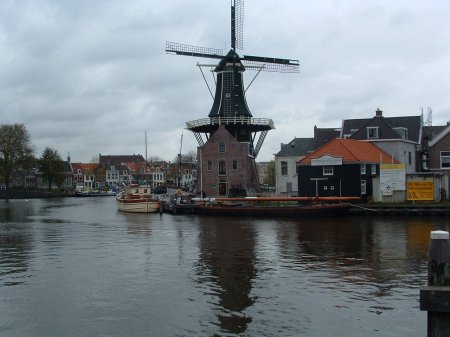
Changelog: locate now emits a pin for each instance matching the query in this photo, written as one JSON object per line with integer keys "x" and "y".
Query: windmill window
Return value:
{"x": 209, "y": 166}
{"x": 235, "y": 165}
{"x": 222, "y": 147}
{"x": 372, "y": 132}
{"x": 222, "y": 168}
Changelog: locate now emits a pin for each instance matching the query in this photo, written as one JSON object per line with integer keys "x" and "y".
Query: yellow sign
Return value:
{"x": 392, "y": 166}
{"x": 420, "y": 190}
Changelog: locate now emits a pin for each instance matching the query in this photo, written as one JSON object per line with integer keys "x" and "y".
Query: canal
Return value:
{"x": 77, "y": 267}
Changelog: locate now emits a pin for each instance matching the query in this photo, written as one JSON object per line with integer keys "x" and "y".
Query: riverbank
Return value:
{"x": 441, "y": 208}
{"x": 401, "y": 209}
{"x": 32, "y": 194}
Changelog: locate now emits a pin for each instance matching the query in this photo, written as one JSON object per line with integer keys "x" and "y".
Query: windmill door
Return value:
{"x": 223, "y": 188}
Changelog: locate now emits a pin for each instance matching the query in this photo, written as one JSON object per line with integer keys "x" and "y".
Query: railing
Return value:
{"x": 230, "y": 120}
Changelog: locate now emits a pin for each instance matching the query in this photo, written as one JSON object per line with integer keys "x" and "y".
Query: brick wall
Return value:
{"x": 215, "y": 184}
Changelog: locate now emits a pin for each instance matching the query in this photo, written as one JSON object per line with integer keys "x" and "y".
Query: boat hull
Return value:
{"x": 138, "y": 206}
{"x": 137, "y": 199}
{"x": 317, "y": 210}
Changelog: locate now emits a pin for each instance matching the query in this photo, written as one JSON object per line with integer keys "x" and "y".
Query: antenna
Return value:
{"x": 429, "y": 121}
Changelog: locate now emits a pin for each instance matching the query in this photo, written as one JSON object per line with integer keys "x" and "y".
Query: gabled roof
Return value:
{"x": 137, "y": 167}
{"x": 356, "y": 128}
{"x": 441, "y": 135}
{"x": 350, "y": 151}
{"x": 120, "y": 159}
{"x": 323, "y": 136}
{"x": 84, "y": 167}
{"x": 297, "y": 147}
{"x": 67, "y": 167}
{"x": 431, "y": 131}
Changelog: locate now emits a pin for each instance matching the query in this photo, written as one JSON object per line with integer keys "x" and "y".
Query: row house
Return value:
{"x": 158, "y": 171}
{"x": 423, "y": 150}
{"x": 117, "y": 175}
{"x": 88, "y": 176}
{"x": 188, "y": 176}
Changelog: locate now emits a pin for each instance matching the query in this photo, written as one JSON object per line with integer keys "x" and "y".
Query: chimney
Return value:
{"x": 378, "y": 113}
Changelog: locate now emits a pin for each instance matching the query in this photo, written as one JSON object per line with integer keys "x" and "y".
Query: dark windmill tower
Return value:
{"x": 227, "y": 154}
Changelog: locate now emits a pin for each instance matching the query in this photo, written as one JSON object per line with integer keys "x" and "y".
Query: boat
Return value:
{"x": 137, "y": 199}
{"x": 277, "y": 206}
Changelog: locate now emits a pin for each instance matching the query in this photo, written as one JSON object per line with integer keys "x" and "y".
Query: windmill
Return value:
{"x": 230, "y": 106}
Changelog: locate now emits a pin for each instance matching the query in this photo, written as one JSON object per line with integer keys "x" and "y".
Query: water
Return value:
{"x": 77, "y": 267}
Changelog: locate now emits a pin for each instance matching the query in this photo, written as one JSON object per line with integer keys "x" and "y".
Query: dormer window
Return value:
{"x": 372, "y": 132}
{"x": 403, "y": 132}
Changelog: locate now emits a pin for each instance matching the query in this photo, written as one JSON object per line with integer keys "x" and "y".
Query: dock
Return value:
{"x": 179, "y": 205}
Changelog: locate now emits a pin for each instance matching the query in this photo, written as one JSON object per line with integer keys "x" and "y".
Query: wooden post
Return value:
{"x": 435, "y": 299}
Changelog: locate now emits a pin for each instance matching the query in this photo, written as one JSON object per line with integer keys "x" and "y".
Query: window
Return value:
{"x": 372, "y": 132}
{"x": 209, "y": 166}
{"x": 328, "y": 170}
{"x": 445, "y": 159}
{"x": 222, "y": 147}
{"x": 363, "y": 169}
{"x": 284, "y": 168}
{"x": 373, "y": 168}
{"x": 403, "y": 132}
{"x": 363, "y": 187}
{"x": 222, "y": 168}
{"x": 235, "y": 165}
{"x": 409, "y": 158}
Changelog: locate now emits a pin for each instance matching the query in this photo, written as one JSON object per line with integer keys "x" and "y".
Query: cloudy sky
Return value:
{"x": 89, "y": 77}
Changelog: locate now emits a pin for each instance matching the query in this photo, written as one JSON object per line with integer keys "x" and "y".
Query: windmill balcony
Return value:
{"x": 255, "y": 124}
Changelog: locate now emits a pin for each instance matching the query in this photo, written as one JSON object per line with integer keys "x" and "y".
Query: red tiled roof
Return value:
{"x": 137, "y": 167}
{"x": 350, "y": 150}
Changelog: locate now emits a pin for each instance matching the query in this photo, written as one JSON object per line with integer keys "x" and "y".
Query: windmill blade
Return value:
{"x": 237, "y": 24}
{"x": 270, "y": 60}
{"x": 188, "y": 50}
{"x": 271, "y": 64}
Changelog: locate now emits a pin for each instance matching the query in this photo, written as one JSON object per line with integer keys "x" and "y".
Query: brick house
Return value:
{"x": 229, "y": 164}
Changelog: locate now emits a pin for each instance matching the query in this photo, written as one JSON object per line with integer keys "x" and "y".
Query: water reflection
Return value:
{"x": 368, "y": 257}
{"x": 15, "y": 243}
{"x": 227, "y": 258}
{"x": 203, "y": 276}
